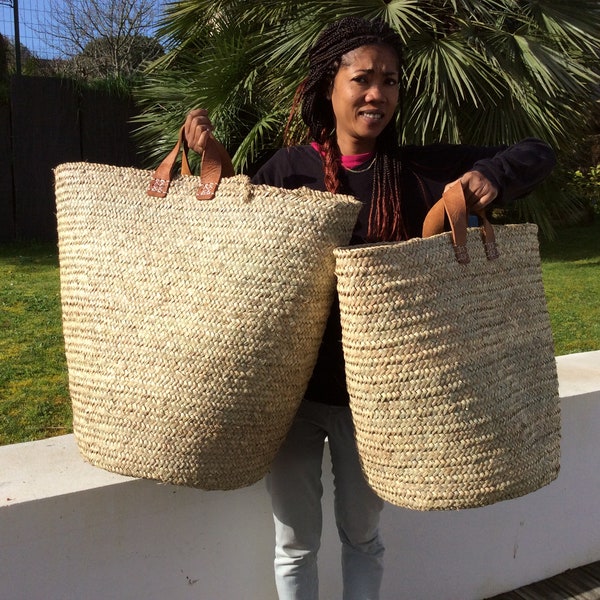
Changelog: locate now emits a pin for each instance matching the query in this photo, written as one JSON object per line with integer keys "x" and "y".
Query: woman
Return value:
{"x": 348, "y": 102}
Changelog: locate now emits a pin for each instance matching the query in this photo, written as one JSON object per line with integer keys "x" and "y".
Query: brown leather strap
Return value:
{"x": 210, "y": 171}
{"x": 215, "y": 164}
{"x": 159, "y": 184}
{"x": 454, "y": 205}
{"x": 185, "y": 164}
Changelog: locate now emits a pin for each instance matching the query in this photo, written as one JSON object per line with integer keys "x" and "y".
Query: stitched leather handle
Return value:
{"x": 215, "y": 164}
{"x": 454, "y": 205}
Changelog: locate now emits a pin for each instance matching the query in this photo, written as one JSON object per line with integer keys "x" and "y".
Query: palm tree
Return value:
{"x": 475, "y": 71}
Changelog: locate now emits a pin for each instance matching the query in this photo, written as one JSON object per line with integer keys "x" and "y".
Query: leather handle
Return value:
{"x": 215, "y": 164}
{"x": 454, "y": 205}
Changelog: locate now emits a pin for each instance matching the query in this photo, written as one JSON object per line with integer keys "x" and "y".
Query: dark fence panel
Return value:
{"x": 7, "y": 200}
{"x": 106, "y": 131}
{"x": 46, "y": 133}
{"x": 54, "y": 121}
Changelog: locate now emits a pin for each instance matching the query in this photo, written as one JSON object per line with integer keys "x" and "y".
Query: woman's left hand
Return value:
{"x": 479, "y": 191}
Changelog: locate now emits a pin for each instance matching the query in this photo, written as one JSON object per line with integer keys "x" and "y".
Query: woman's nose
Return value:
{"x": 375, "y": 94}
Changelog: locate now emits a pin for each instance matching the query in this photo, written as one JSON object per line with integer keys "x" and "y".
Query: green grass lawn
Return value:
{"x": 571, "y": 272}
{"x": 34, "y": 399}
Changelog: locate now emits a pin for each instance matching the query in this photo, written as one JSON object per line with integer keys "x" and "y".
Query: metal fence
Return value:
{"x": 76, "y": 123}
{"x": 50, "y": 121}
{"x": 31, "y": 21}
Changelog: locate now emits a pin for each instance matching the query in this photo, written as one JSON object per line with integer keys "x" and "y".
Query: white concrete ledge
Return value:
{"x": 69, "y": 531}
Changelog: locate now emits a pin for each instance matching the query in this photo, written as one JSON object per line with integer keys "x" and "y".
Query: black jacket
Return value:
{"x": 514, "y": 170}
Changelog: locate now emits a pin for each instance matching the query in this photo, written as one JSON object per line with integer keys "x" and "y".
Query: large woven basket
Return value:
{"x": 191, "y": 327}
{"x": 450, "y": 367}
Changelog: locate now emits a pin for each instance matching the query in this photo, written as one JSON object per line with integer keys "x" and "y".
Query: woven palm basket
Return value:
{"x": 191, "y": 328}
{"x": 450, "y": 369}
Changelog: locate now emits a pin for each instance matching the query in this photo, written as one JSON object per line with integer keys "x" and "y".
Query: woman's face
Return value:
{"x": 364, "y": 95}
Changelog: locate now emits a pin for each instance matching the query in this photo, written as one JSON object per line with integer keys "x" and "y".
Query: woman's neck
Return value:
{"x": 353, "y": 147}
{"x": 349, "y": 161}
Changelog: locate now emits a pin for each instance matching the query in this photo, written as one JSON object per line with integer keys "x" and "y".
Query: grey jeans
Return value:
{"x": 295, "y": 487}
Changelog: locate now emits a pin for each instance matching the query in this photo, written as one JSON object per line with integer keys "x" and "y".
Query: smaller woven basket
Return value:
{"x": 191, "y": 327}
{"x": 450, "y": 366}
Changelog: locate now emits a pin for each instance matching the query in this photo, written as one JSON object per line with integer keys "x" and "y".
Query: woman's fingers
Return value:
{"x": 478, "y": 189}
{"x": 197, "y": 129}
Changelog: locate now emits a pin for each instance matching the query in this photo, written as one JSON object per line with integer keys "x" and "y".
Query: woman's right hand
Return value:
{"x": 198, "y": 129}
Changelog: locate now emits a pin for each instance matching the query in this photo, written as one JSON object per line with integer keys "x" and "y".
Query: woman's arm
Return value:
{"x": 518, "y": 169}
{"x": 508, "y": 174}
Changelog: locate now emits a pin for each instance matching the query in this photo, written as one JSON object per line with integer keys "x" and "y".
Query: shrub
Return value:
{"x": 586, "y": 182}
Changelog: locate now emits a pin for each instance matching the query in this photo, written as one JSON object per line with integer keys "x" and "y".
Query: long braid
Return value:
{"x": 332, "y": 162}
{"x": 339, "y": 38}
{"x": 385, "y": 216}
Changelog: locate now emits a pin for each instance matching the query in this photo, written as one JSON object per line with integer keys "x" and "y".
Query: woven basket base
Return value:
{"x": 191, "y": 328}
{"x": 450, "y": 369}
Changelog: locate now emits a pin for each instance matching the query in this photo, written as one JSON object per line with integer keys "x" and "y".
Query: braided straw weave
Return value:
{"x": 191, "y": 328}
{"x": 450, "y": 369}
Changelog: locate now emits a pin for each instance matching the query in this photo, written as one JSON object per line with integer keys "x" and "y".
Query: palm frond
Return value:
{"x": 252, "y": 147}
{"x": 475, "y": 71}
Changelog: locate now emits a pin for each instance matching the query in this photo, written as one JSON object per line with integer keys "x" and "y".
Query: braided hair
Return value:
{"x": 337, "y": 39}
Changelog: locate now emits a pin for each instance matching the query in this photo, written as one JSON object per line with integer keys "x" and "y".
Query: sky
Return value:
{"x": 33, "y": 14}
{"x": 34, "y": 17}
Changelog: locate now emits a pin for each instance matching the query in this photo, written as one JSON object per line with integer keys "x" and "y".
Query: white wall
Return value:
{"x": 71, "y": 531}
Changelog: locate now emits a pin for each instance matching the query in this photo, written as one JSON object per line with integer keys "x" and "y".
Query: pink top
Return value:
{"x": 350, "y": 161}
